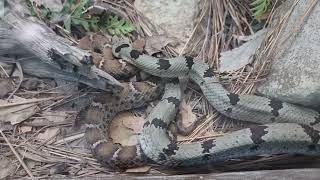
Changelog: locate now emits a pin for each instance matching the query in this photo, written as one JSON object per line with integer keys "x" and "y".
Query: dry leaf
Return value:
{"x": 107, "y": 53}
{"x": 142, "y": 169}
{"x": 238, "y": 57}
{"x": 18, "y": 113}
{"x": 93, "y": 41}
{"x": 133, "y": 122}
{"x": 139, "y": 44}
{"x": 188, "y": 117}
{"x": 125, "y": 127}
{"x": 154, "y": 44}
{"x": 24, "y": 129}
{"x": 48, "y": 134}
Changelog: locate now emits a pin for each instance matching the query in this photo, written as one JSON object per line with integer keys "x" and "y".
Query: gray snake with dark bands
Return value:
{"x": 296, "y": 130}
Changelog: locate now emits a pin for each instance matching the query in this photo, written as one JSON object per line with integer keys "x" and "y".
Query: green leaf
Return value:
{"x": 44, "y": 12}
{"x": 94, "y": 23}
{"x": 75, "y": 21}
{"x": 80, "y": 7}
{"x": 85, "y": 25}
{"x": 117, "y": 26}
{"x": 31, "y": 7}
{"x": 66, "y": 9}
{"x": 67, "y": 23}
{"x": 71, "y": 14}
{"x": 260, "y": 7}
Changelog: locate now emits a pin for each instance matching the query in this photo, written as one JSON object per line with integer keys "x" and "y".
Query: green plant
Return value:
{"x": 118, "y": 26}
{"x": 260, "y": 7}
{"x": 71, "y": 15}
{"x": 39, "y": 10}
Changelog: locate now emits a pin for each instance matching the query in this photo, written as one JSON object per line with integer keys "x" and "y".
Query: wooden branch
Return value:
{"x": 45, "y": 54}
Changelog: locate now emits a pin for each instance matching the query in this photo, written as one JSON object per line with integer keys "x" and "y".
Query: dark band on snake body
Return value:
{"x": 257, "y": 133}
{"x": 207, "y": 145}
{"x": 208, "y": 73}
{"x": 135, "y": 54}
{"x": 162, "y": 157}
{"x": 276, "y": 105}
{"x": 171, "y": 148}
{"x": 313, "y": 134}
{"x": 158, "y": 123}
{"x": 174, "y": 101}
{"x": 234, "y": 98}
{"x": 118, "y": 49}
{"x": 163, "y": 64}
{"x": 189, "y": 61}
{"x": 146, "y": 124}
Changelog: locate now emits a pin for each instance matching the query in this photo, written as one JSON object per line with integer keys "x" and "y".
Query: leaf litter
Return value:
{"x": 206, "y": 42}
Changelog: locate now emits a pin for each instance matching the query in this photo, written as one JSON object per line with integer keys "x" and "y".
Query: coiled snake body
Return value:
{"x": 286, "y": 128}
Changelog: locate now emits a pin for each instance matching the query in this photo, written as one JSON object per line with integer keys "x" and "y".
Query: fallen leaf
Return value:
{"x": 7, "y": 168}
{"x": 107, "y": 53}
{"x": 125, "y": 127}
{"x": 133, "y": 122}
{"x": 154, "y": 44}
{"x": 187, "y": 116}
{"x": 142, "y": 169}
{"x": 24, "y": 129}
{"x": 94, "y": 42}
{"x": 48, "y": 134}
{"x": 238, "y": 57}
{"x": 17, "y": 113}
{"x": 139, "y": 44}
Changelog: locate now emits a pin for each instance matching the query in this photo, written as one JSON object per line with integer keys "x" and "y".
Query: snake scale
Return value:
{"x": 285, "y": 128}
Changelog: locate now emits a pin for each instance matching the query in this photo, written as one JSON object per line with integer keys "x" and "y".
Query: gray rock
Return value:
{"x": 295, "y": 74}
{"x": 176, "y": 18}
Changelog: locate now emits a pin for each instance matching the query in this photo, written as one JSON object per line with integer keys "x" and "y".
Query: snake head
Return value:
{"x": 117, "y": 44}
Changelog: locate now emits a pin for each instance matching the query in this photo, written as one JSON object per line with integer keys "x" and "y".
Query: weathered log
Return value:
{"x": 42, "y": 53}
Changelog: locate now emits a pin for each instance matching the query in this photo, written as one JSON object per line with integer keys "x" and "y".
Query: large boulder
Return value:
{"x": 295, "y": 71}
{"x": 174, "y": 18}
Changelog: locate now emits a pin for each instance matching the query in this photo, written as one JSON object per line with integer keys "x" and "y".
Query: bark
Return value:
{"x": 42, "y": 53}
